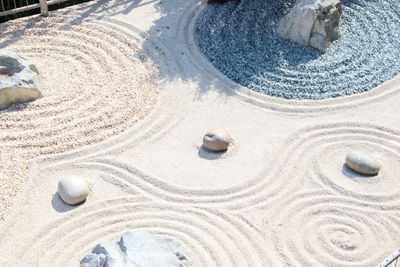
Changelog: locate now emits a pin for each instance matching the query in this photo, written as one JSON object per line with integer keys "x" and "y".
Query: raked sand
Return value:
{"x": 97, "y": 82}
{"x": 280, "y": 196}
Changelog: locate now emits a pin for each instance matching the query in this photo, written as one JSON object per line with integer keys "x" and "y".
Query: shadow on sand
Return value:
{"x": 60, "y": 206}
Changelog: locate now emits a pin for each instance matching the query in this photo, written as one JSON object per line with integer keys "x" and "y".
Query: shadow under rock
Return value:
{"x": 60, "y": 206}
{"x": 205, "y": 153}
{"x": 353, "y": 175}
{"x": 15, "y": 108}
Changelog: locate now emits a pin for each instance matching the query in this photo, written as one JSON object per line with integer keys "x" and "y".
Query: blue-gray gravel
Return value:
{"x": 240, "y": 39}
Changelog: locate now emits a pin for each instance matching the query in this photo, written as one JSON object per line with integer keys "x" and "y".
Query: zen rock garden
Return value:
{"x": 278, "y": 77}
{"x": 19, "y": 80}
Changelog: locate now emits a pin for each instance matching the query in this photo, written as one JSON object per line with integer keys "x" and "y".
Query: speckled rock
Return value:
{"x": 312, "y": 23}
{"x": 362, "y": 163}
{"x": 217, "y": 140}
{"x": 73, "y": 189}
{"x": 93, "y": 260}
{"x": 19, "y": 80}
{"x": 137, "y": 249}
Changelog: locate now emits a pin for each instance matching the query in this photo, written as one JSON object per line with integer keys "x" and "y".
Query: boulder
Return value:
{"x": 217, "y": 140}
{"x": 73, "y": 189}
{"x": 362, "y": 163}
{"x": 312, "y": 23}
{"x": 19, "y": 80}
{"x": 137, "y": 249}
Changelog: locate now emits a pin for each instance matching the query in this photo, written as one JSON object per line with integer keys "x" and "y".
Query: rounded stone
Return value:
{"x": 73, "y": 189}
{"x": 362, "y": 163}
{"x": 217, "y": 140}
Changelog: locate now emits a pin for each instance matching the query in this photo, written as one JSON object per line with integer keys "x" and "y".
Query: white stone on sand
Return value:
{"x": 362, "y": 163}
{"x": 217, "y": 140}
{"x": 73, "y": 189}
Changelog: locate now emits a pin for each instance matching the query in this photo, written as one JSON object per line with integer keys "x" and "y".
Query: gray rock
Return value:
{"x": 312, "y": 23}
{"x": 217, "y": 140}
{"x": 19, "y": 80}
{"x": 137, "y": 249}
{"x": 362, "y": 163}
{"x": 92, "y": 260}
{"x": 73, "y": 189}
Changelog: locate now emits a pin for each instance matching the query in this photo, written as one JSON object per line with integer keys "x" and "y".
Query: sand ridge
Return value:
{"x": 97, "y": 81}
{"x": 281, "y": 197}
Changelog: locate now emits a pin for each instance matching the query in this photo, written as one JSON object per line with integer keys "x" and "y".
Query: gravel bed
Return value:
{"x": 241, "y": 40}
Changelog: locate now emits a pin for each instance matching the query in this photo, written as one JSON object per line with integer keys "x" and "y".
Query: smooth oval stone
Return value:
{"x": 362, "y": 163}
{"x": 217, "y": 140}
{"x": 73, "y": 189}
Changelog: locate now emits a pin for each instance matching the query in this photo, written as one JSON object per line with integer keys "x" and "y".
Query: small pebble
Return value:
{"x": 362, "y": 163}
{"x": 73, "y": 189}
{"x": 217, "y": 140}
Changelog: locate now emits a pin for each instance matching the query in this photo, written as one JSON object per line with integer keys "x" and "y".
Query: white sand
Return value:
{"x": 279, "y": 197}
{"x": 94, "y": 86}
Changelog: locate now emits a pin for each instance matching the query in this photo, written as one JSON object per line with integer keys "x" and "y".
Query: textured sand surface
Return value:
{"x": 279, "y": 197}
{"x": 97, "y": 81}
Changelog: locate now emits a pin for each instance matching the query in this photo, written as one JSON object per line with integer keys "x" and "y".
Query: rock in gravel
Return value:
{"x": 73, "y": 189}
{"x": 362, "y": 163}
{"x": 137, "y": 248}
{"x": 19, "y": 80}
{"x": 217, "y": 140}
{"x": 312, "y": 23}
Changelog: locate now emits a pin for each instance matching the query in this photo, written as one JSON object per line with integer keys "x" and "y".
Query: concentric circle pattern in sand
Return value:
{"x": 241, "y": 41}
{"x": 317, "y": 229}
{"x": 328, "y": 146}
{"x": 97, "y": 81}
{"x": 210, "y": 238}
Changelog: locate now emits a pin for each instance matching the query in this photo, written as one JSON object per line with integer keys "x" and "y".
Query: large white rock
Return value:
{"x": 137, "y": 249}
{"x": 312, "y": 23}
{"x": 73, "y": 189}
{"x": 19, "y": 80}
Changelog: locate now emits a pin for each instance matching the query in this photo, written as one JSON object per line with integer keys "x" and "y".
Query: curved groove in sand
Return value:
{"x": 212, "y": 239}
{"x": 266, "y": 187}
{"x": 379, "y": 189}
{"x": 318, "y": 229}
{"x": 202, "y": 63}
{"x": 162, "y": 118}
{"x": 323, "y": 148}
{"x": 236, "y": 197}
{"x": 73, "y": 57}
{"x": 107, "y": 56}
